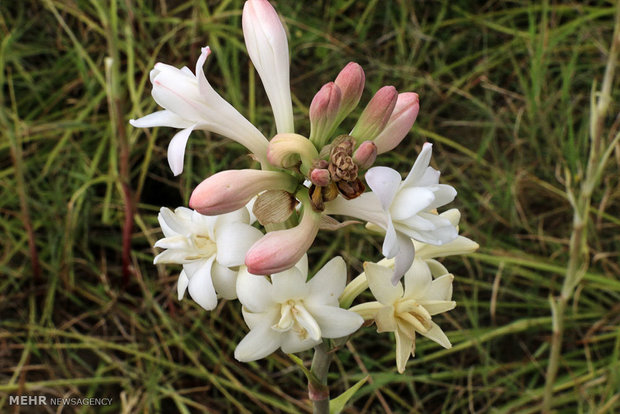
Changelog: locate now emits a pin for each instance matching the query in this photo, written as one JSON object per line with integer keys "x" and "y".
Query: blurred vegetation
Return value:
{"x": 505, "y": 93}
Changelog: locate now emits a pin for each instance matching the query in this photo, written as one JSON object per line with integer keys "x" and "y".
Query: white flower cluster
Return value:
{"x": 302, "y": 183}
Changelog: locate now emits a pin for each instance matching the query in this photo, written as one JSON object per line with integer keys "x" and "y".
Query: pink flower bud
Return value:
{"x": 375, "y": 115}
{"x": 320, "y": 177}
{"x": 365, "y": 155}
{"x": 281, "y": 249}
{"x": 351, "y": 81}
{"x": 323, "y": 113}
{"x": 230, "y": 190}
{"x": 400, "y": 122}
{"x": 286, "y": 150}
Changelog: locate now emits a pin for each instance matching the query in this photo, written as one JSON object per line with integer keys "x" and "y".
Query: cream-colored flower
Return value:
{"x": 409, "y": 310}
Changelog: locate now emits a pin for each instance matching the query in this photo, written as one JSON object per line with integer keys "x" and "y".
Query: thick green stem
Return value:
{"x": 318, "y": 390}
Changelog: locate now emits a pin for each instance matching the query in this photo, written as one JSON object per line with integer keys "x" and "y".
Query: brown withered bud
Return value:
{"x": 351, "y": 189}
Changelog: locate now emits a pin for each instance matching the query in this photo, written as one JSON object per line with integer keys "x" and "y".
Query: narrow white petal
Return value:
{"x": 453, "y": 216}
{"x": 176, "y": 150}
{"x": 335, "y": 322}
{"x": 328, "y": 283}
{"x": 182, "y": 285}
{"x": 174, "y": 242}
{"x": 234, "y": 241}
{"x": 258, "y": 343}
{"x": 254, "y": 292}
{"x": 437, "y": 335}
{"x": 171, "y": 256}
{"x": 384, "y": 182}
{"x": 418, "y": 280}
{"x": 224, "y": 281}
{"x": 390, "y": 243}
{"x": 201, "y": 286}
{"x": 379, "y": 282}
{"x": 404, "y": 258}
{"x": 419, "y": 166}
{"x": 430, "y": 177}
{"x": 161, "y": 118}
{"x": 437, "y": 269}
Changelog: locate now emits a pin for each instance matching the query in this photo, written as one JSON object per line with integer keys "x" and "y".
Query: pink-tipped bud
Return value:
{"x": 320, "y": 177}
{"x": 375, "y": 115}
{"x": 365, "y": 155}
{"x": 286, "y": 150}
{"x": 280, "y": 250}
{"x": 324, "y": 112}
{"x": 351, "y": 81}
{"x": 400, "y": 122}
{"x": 230, "y": 190}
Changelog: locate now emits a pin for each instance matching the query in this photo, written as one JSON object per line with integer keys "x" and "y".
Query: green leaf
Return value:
{"x": 337, "y": 404}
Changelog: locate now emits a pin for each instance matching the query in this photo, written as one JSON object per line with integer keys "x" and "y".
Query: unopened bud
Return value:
{"x": 400, "y": 122}
{"x": 320, "y": 177}
{"x": 281, "y": 249}
{"x": 230, "y": 190}
{"x": 365, "y": 155}
{"x": 351, "y": 81}
{"x": 323, "y": 113}
{"x": 375, "y": 115}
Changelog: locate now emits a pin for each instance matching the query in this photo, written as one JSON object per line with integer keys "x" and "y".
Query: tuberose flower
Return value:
{"x": 403, "y": 208}
{"x": 190, "y": 103}
{"x": 206, "y": 247}
{"x": 409, "y": 310}
{"x": 291, "y": 314}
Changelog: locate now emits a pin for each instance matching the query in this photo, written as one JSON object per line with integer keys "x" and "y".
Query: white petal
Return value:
{"x": 437, "y": 269}
{"x": 234, "y": 241}
{"x": 224, "y": 281}
{"x": 410, "y": 201}
{"x": 453, "y": 216}
{"x": 161, "y": 118}
{"x": 172, "y": 256}
{"x": 430, "y": 177}
{"x": 437, "y": 335}
{"x": 177, "y": 92}
{"x": 176, "y": 150}
{"x": 365, "y": 207}
{"x": 289, "y": 284}
{"x": 201, "y": 286}
{"x": 335, "y": 322}
{"x": 441, "y": 288}
{"x": 419, "y": 166}
{"x": 443, "y": 195}
{"x": 254, "y": 292}
{"x": 173, "y": 223}
{"x": 434, "y": 307}
{"x": 404, "y": 258}
{"x": 292, "y": 343}
{"x": 242, "y": 215}
{"x": 390, "y": 243}
{"x": 302, "y": 265}
{"x": 328, "y": 283}
{"x": 379, "y": 282}
{"x": 258, "y": 343}
{"x": 418, "y": 280}
{"x": 182, "y": 284}
{"x": 174, "y": 242}
{"x": 385, "y": 319}
{"x": 384, "y": 182}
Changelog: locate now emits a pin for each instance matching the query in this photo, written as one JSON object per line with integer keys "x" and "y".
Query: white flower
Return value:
{"x": 404, "y": 209}
{"x": 206, "y": 246}
{"x": 291, "y": 314}
{"x": 407, "y": 311}
{"x": 190, "y": 103}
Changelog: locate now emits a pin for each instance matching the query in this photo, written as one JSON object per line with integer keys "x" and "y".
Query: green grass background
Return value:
{"x": 505, "y": 99}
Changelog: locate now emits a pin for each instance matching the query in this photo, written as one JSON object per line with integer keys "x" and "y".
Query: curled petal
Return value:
{"x": 176, "y": 150}
{"x": 161, "y": 118}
